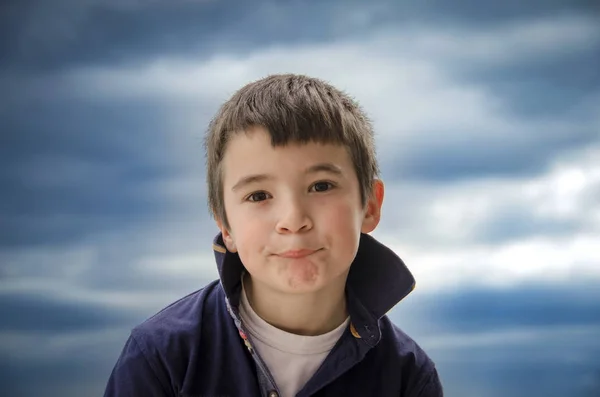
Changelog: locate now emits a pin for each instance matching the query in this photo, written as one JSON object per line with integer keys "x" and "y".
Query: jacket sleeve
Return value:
{"x": 134, "y": 375}
{"x": 432, "y": 387}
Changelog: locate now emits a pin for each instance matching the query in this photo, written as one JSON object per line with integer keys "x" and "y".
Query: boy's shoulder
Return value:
{"x": 180, "y": 339}
{"x": 396, "y": 339}
{"x": 398, "y": 349}
{"x": 180, "y": 322}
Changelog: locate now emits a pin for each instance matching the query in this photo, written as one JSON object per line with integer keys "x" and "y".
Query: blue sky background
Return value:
{"x": 488, "y": 128}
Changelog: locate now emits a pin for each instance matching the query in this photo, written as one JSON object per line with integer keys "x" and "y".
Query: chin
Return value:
{"x": 295, "y": 285}
{"x": 298, "y": 282}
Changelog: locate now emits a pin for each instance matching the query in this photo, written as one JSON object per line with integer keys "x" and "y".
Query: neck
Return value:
{"x": 315, "y": 313}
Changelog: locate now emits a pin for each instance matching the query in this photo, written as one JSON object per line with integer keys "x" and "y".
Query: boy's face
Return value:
{"x": 294, "y": 212}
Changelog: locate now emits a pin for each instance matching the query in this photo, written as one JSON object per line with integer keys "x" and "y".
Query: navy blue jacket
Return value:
{"x": 197, "y": 346}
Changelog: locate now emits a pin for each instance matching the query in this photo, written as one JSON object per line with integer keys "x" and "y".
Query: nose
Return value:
{"x": 294, "y": 218}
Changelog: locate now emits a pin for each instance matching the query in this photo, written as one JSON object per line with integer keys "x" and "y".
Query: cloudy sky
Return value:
{"x": 488, "y": 128}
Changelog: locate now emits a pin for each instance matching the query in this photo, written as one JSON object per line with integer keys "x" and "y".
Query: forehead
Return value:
{"x": 252, "y": 152}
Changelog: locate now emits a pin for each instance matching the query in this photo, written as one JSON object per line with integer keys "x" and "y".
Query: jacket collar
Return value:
{"x": 377, "y": 281}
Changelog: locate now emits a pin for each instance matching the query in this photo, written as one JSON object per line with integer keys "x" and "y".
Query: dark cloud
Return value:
{"x": 478, "y": 14}
{"x": 556, "y": 357}
{"x": 71, "y": 168}
{"x": 433, "y": 157}
{"x": 490, "y": 310}
{"x": 69, "y": 345}
{"x": 500, "y": 373}
{"x": 67, "y": 372}
{"x": 548, "y": 88}
{"x": 67, "y": 33}
{"x": 68, "y": 378}
{"x": 24, "y": 313}
{"x": 40, "y": 36}
{"x": 77, "y": 33}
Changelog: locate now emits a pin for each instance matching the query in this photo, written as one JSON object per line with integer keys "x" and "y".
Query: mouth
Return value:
{"x": 297, "y": 253}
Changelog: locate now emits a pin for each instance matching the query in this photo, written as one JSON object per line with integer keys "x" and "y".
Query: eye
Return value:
{"x": 258, "y": 196}
{"x": 322, "y": 186}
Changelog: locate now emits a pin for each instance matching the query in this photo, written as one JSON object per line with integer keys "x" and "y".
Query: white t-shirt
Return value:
{"x": 292, "y": 359}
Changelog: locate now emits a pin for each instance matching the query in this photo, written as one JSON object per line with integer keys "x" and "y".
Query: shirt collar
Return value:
{"x": 377, "y": 281}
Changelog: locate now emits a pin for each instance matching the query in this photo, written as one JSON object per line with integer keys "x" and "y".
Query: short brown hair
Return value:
{"x": 293, "y": 109}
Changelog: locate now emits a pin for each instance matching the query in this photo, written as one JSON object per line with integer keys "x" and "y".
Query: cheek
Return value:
{"x": 248, "y": 233}
{"x": 247, "y": 240}
{"x": 342, "y": 224}
{"x": 342, "y": 214}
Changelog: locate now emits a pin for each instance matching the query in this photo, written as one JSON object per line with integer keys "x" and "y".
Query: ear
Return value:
{"x": 373, "y": 207}
{"x": 227, "y": 237}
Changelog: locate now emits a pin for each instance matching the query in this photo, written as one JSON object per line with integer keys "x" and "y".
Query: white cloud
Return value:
{"x": 454, "y": 211}
{"x": 180, "y": 266}
{"x": 143, "y": 269}
{"x": 528, "y": 262}
{"x": 439, "y": 235}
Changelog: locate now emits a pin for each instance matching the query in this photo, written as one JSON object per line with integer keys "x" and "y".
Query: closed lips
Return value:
{"x": 298, "y": 253}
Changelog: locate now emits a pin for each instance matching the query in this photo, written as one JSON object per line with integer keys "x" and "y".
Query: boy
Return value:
{"x": 299, "y": 309}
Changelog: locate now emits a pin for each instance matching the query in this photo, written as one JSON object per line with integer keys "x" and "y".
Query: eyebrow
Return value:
{"x": 247, "y": 180}
{"x": 324, "y": 167}
{"x": 313, "y": 169}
